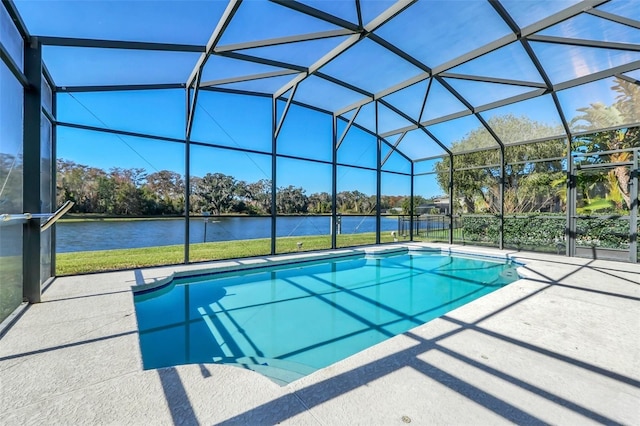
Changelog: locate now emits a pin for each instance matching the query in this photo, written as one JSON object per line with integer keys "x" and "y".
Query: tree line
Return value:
{"x": 133, "y": 192}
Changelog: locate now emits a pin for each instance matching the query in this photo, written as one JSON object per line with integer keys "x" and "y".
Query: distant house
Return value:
{"x": 435, "y": 206}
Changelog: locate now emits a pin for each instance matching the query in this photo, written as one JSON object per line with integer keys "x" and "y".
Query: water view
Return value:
{"x": 107, "y": 235}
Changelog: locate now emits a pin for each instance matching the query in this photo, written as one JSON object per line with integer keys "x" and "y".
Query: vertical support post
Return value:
{"x": 192, "y": 103}
{"x": 378, "y": 177}
{"x": 451, "y": 190}
{"x": 54, "y": 173}
{"x": 633, "y": 219}
{"x": 334, "y": 182}
{"x": 187, "y": 173}
{"x": 274, "y": 162}
{"x": 570, "y": 233}
{"x": 31, "y": 169}
{"x": 411, "y": 204}
{"x": 501, "y": 196}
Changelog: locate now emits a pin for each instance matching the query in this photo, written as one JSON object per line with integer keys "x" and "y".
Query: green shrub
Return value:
{"x": 545, "y": 232}
{"x": 535, "y": 231}
{"x": 481, "y": 229}
{"x": 605, "y": 233}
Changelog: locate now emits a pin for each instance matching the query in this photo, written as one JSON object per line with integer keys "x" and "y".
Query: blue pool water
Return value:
{"x": 288, "y": 321}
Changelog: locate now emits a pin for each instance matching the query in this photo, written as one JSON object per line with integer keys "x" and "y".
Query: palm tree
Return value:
{"x": 626, "y": 110}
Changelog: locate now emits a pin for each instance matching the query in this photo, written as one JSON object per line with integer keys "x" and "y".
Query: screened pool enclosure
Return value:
{"x": 187, "y": 131}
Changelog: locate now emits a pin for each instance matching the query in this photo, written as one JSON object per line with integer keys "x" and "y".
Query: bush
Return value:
{"x": 481, "y": 229}
{"x": 605, "y": 233}
{"x": 545, "y": 232}
{"x": 535, "y": 231}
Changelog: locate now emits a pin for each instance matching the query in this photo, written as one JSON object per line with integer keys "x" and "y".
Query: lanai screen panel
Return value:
{"x": 454, "y": 68}
{"x": 182, "y": 22}
{"x": 431, "y": 61}
{"x": 532, "y": 119}
{"x": 152, "y": 112}
{"x": 451, "y": 32}
{"x": 89, "y": 66}
{"x": 325, "y": 94}
{"x": 430, "y": 77}
{"x": 601, "y": 104}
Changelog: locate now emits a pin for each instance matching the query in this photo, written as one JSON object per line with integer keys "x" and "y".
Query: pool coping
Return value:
{"x": 153, "y": 281}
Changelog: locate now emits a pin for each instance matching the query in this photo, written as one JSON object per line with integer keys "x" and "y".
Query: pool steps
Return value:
{"x": 280, "y": 371}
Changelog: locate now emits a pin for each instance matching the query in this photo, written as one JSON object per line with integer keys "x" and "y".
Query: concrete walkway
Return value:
{"x": 561, "y": 346}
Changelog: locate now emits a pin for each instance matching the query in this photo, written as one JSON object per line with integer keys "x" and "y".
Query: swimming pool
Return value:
{"x": 290, "y": 320}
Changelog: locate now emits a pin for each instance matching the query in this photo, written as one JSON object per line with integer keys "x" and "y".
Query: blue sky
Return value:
{"x": 227, "y": 120}
{"x": 245, "y": 122}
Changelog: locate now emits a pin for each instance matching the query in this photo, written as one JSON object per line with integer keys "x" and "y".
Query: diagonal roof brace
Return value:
{"x": 415, "y": 123}
{"x": 448, "y": 117}
{"x": 357, "y": 104}
{"x": 223, "y": 23}
{"x": 583, "y": 6}
{"x": 471, "y": 108}
{"x": 320, "y": 63}
{"x": 424, "y": 100}
{"x": 380, "y": 20}
{"x": 393, "y": 148}
{"x": 398, "y": 52}
{"x": 283, "y": 40}
{"x": 346, "y": 129}
{"x": 192, "y": 103}
{"x": 286, "y": 110}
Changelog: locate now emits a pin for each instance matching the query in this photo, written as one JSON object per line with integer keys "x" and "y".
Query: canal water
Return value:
{"x": 107, "y": 235}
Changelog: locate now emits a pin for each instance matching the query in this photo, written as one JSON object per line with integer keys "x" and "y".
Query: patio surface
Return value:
{"x": 560, "y": 346}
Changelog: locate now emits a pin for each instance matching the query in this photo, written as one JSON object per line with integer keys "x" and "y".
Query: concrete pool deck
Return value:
{"x": 561, "y": 346}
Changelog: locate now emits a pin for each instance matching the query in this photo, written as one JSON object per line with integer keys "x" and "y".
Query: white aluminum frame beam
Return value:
{"x": 380, "y": 20}
{"x": 551, "y": 20}
{"x": 118, "y": 44}
{"x": 251, "y": 77}
{"x": 615, "y": 18}
{"x": 483, "y": 79}
{"x": 283, "y": 40}
{"x": 585, "y": 43}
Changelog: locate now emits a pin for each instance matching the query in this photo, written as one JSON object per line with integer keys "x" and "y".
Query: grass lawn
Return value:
{"x": 108, "y": 260}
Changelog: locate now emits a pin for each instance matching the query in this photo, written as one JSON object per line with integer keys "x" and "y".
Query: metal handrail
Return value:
{"x": 50, "y": 218}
